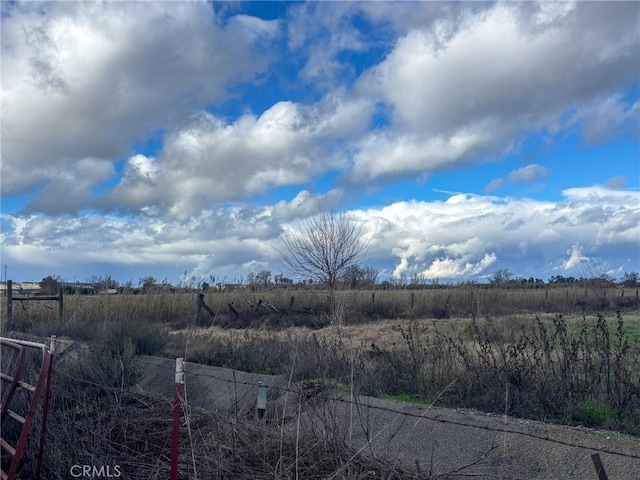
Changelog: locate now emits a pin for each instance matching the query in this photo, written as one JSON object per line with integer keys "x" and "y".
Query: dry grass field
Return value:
{"x": 565, "y": 355}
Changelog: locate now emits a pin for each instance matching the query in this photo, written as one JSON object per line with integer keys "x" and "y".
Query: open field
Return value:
{"x": 568, "y": 355}
{"x": 308, "y": 308}
{"x": 563, "y": 355}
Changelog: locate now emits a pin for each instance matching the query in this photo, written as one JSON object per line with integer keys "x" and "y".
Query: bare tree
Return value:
{"x": 325, "y": 246}
{"x": 501, "y": 277}
{"x": 356, "y": 276}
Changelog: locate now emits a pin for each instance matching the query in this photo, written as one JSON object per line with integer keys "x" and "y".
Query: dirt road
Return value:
{"x": 436, "y": 440}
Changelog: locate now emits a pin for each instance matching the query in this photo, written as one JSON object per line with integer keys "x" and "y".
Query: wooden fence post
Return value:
{"x": 61, "y": 304}
{"x": 597, "y": 463}
{"x": 9, "y": 302}
{"x": 200, "y": 301}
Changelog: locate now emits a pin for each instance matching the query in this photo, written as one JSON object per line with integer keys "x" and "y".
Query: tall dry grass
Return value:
{"x": 575, "y": 372}
{"x": 95, "y": 419}
{"x": 84, "y": 315}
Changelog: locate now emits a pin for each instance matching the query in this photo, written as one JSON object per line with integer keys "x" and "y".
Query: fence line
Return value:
{"x": 413, "y": 415}
{"x": 11, "y": 298}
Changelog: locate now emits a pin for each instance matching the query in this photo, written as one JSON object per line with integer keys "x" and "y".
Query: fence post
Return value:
{"x": 597, "y": 463}
{"x": 261, "y": 403}
{"x": 52, "y": 344}
{"x": 61, "y": 304}
{"x": 9, "y": 302}
{"x": 45, "y": 409}
{"x": 179, "y": 383}
{"x": 200, "y": 301}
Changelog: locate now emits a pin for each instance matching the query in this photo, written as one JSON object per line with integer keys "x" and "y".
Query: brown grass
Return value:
{"x": 398, "y": 342}
{"x": 96, "y": 420}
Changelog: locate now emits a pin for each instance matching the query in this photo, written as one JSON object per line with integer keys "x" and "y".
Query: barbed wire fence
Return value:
{"x": 329, "y": 396}
{"x": 410, "y": 414}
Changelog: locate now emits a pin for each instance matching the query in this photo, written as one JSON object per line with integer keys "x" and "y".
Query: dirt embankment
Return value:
{"x": 435, "y": 440}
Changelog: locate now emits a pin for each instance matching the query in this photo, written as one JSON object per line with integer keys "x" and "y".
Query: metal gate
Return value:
{"x": 14, "y": 377}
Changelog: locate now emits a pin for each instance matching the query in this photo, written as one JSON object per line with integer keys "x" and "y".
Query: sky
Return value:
{"x": 184, "y": 140}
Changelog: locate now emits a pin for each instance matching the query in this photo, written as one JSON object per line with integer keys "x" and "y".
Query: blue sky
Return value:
{"x": 181, "y": 139}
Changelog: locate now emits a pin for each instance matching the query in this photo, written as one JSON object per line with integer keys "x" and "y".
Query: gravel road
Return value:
{"x": 436, "y": 440}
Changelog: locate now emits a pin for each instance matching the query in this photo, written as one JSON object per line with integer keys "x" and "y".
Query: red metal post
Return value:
{"x": 45, "y": 412}
{"x": 179, "y": 383}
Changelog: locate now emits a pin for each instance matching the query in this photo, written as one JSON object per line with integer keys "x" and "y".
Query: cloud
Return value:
{"x": 210, "y": 161}
{"x": 460, "y": 267}
{"x": 529, "y": 174}
{"x": 444, "y": 86}
{"x": 441, "y": 18}
{"x": 463, "y": 236}
{"x": 494, "y": 184}
{"x": 319, "y": 33}
{"x": 72, "y": 187}
{"x": 304, "y": 205}
{"x": 466, "y": 235}
{"x": 85, "y": 80}
{"x": 456, "y": 260}
{"x": 88, "y": 80}
{"x": 608, "y": 118}
{"x": 575, "y": 258}
{"x": 521, "y": 75}
{"x": 616, "y": 182}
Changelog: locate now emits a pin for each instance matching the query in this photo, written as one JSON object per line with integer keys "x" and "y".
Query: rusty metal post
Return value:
{"x": 45, "y": 412}
{"x": 179, "y": 383}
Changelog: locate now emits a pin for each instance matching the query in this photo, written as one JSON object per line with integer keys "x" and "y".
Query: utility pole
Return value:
{"x": 5, "y": 273}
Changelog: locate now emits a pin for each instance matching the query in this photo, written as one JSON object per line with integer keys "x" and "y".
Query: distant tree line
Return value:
{"x": 354, "y": 277}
